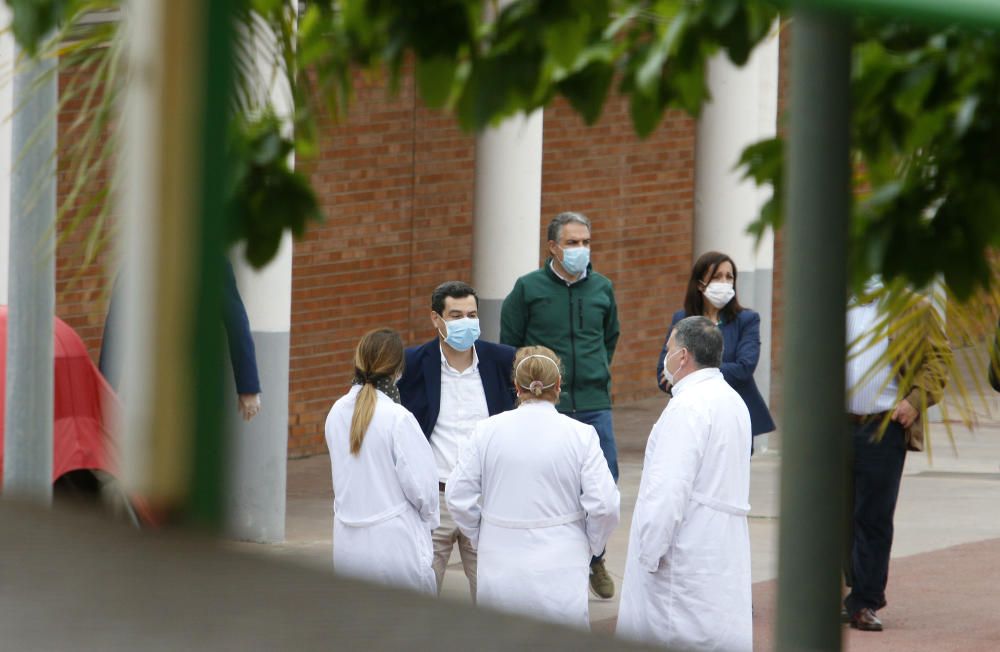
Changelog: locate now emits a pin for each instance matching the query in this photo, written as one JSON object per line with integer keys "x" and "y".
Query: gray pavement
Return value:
{"x": 946, "y": 503}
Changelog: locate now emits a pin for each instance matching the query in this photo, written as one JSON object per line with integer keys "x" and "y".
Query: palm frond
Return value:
{"x": 936, "y": 342}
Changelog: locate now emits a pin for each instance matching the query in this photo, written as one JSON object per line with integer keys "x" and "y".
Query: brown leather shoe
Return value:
{"x": 866, "y": 620}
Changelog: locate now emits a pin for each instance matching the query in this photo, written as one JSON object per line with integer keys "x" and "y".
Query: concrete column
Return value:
{"x": 743, "y": 111}
{"x": 6, "y": 106}
{"x": 508, "y": 204}
{"x": 259, "y": 449}
{"x": 32, "y": 284}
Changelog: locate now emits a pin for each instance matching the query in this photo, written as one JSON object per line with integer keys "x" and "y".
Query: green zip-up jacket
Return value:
{"x": 578, "y": 321}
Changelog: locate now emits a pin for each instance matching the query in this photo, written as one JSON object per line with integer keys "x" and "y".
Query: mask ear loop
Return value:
{"x": 537, "y": 355}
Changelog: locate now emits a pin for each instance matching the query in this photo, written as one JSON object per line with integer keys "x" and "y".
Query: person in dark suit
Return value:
{"x": 242, "y": 353}
{"x": 450, "y": 384}
{"x": 898, "y": 361}
{"x": 711, "y": 293}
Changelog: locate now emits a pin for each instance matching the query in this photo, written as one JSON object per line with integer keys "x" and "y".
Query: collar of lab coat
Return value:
{"x": 694, "y": 378}
{"x": 538, "y": 405}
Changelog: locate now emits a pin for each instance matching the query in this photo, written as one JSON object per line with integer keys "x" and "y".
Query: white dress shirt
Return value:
{"x": 579, "y": 278}
{"x": 463, "y": 405}
{"x": 870, "y": 390}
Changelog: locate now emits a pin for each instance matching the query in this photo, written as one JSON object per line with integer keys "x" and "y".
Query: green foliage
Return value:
{"x": 486, "y": 65}
{"x": 33, "y": 20}
{"x": 483, "y": 65}
{"x": 470, "y": 57}
{"x": 267, "y": 195}
{"x": 924, "y": 135}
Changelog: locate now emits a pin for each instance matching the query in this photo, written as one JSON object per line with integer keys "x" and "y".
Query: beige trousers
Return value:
{"x": 445, "y": 537}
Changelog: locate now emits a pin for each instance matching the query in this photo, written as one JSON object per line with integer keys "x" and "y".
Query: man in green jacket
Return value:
{"x": 571, "y": 309}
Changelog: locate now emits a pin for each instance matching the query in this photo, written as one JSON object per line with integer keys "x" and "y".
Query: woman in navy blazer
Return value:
{"x": 740, "y": 327}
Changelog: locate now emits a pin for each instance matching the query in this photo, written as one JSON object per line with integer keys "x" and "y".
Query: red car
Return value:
{"x": 84, "y": 456}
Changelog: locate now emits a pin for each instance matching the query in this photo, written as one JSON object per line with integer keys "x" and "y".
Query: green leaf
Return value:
{"x": 587, "y": 89}
{"x": 689, "y": 87}
{"x": 620, "y": 22}
{"x": 646, "y": 113}
{"x": 565, "y": 39}
{"x": 434, "y": 79}
{"x": 33, "y": 20}
{"x": 965, "y": 115}
{"x": 721, "y": 12}
{"x": 650, "y": 72}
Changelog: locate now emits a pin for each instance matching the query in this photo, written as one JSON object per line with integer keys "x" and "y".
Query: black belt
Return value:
{"x": 440, "y": 486}
{"x": 863, "y": 419}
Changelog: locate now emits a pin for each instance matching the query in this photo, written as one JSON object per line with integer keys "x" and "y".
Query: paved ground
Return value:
{"x": 944, "y": 591}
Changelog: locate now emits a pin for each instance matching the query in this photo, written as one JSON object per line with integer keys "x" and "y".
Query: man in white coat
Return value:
{"x": 687, "y": 574}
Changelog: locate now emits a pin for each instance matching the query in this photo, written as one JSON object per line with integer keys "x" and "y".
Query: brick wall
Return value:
{"x": 397, "y": 184}
{"x": 640, "y": 197}
{"x": 82, "y": 288}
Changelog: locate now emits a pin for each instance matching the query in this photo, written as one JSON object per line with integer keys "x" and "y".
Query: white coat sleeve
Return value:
{"x": 667, "y": 483}
{"x": 599, "y": 495}
{"x": 416, "y": 470}
{"x": 464, "y": 489}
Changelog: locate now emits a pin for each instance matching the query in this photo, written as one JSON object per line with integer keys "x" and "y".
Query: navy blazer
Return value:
{"x": 740, "y": 353}
{"x": 420, "y": 386}
{"x": 242, "y": 354}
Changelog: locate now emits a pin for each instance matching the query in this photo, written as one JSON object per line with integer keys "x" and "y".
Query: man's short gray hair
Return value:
{"x": 702, "y": 338}
{"x": 562, "y": 219}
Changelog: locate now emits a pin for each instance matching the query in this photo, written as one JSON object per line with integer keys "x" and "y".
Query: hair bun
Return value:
{"x": 536, "y": 387}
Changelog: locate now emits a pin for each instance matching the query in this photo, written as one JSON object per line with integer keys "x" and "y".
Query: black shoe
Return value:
{"x": 866, "y": 620}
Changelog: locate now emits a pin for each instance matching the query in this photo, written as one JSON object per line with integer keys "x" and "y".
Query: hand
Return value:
{"x": 249, "y": 406}
{"x": 904, "y": 414}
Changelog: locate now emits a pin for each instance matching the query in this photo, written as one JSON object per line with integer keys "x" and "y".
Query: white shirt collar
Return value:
{"x": 555, "y": 271}
{"x": 695, "y": 377}
{"x": 446, "y": 366}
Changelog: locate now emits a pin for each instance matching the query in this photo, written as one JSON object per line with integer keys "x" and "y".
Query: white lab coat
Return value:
{"x": 533, "y": 492}
{"x": 687, "y": 573}
{"x": 385, "y": 498}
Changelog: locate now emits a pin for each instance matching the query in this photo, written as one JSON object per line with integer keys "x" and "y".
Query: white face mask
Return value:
{"x": 719, "y": 294}
{"x": 666, "y": 372}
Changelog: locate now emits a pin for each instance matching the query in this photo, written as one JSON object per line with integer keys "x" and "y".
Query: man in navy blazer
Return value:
{"x": 450, "y": 384}
{"x": 242, "y": 353}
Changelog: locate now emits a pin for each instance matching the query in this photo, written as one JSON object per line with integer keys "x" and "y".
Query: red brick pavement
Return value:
{"x": 946, "y": 601}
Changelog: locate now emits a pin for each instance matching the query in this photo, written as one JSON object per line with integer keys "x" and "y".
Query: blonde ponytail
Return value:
{"x": 379, "y": 355}
{"x": 364, "y": 410}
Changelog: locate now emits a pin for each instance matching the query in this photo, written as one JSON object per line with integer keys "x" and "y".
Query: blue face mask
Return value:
{"x": 576, "y": 259}
{"x": 462, "y": 333}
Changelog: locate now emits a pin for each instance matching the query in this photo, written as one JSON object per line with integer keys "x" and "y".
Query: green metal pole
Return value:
{"x": 208, "y": 480}
{"x": 814, "y": 437}
{"x": 974, "y": 13}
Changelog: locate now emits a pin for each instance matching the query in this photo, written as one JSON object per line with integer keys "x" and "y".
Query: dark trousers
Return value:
{"x": 601, "y": 420}
{"x": 877, "y": 468}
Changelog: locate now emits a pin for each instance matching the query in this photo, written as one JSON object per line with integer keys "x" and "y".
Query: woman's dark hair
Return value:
{"x": 453, "y": 289}
{"x": 694, "y": 300}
